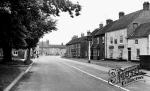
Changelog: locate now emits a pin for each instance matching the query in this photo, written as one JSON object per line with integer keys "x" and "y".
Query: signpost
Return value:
{"x": 89, "y": 38}
{"x": 125, "y": 76}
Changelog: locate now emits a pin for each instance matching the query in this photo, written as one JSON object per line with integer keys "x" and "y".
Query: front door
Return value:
{"x": 129, "y": 54}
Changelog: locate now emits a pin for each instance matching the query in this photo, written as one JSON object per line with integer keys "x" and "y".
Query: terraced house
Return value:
{"x": 77, "y": 47}
{"x": 117, "y": 35}
{"x": 95, "y": 52}
{"x": 45, "y": 48}
{"x": 100, "y": 36}
{"x": 139, "y": 41}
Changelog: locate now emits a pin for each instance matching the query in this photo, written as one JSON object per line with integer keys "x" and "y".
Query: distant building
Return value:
{"x": 48, "y": 49}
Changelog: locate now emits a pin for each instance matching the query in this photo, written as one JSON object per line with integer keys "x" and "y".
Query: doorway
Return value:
{"x": 129, "y": 54}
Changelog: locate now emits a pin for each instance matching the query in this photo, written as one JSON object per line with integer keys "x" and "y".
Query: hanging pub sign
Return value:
{"x": 125, "y": 76}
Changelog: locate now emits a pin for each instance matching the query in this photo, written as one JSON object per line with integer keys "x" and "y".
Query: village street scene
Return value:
{"x": 55, "y": 45}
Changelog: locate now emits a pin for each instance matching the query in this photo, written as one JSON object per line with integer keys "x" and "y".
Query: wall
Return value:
{"x": 116, "y": 51}
{"x": 142, "y": 46}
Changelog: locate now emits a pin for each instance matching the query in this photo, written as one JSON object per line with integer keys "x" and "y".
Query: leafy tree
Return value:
{"x": 24, "y": 22}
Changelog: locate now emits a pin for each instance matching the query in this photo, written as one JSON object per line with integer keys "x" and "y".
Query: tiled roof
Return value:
{"x": 45, "y": 45}
{"x": 57, "y": 46}
{"x": 104, "y": 29}
{"x": 124, "y": 21}
{"x": 77, "y": 40}
{"x": 142, "y": 31}
{"x": 95, "y": 31}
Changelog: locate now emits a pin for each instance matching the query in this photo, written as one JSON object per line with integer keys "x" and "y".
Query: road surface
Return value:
{"x": 53, "y": 73}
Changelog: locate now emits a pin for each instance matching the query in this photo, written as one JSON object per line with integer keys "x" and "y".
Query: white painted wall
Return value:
{"x": 116, "y": 35}
{"x": 142, "y": 45}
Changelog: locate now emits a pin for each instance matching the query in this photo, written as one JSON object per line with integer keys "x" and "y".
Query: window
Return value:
{"x": 121, "y": 39}
{"x": 95, "y": 52}
{"x": 138, "y": 53}
{"x": 121, "y": 53}
{"x": 111, "y": 40}
{"x": 97, "y": 40}
{"x": 115, "y": 41}
{"x": 136, "y": 41}
{"x": 103, "y": 40}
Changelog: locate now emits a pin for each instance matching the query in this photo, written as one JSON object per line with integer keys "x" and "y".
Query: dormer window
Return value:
{"x": 135, "y": 25}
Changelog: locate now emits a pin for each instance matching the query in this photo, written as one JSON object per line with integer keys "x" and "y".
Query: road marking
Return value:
{"x": 96, "y": 77}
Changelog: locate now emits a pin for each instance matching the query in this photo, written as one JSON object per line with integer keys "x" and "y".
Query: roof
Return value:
{"x": 142, "y": 31}
{"x": 104, "y": 29}
{"x": 124, "y": 21}
{"x": 95, "y": 31}
{"x": 45, "y": 45}
{"x": 77, "y": 40}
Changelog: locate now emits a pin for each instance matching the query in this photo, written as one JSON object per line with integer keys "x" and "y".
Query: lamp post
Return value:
{"x": 89, "y": 38}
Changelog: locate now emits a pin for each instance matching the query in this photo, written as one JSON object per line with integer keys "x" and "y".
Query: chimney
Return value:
{"x": 108, "y": 21}
{"x": 146, "y": 6}
{"x": 121, "y": 14}
{"x": 100, "y": 25}
{"x": 82, "y": 34}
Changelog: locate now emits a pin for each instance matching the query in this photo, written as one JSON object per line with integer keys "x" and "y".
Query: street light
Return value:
{"x": 89, "y": 38}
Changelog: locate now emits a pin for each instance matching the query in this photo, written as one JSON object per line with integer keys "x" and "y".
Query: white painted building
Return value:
{"x": 139, "y": 41}
{"x": 117, "y": 45}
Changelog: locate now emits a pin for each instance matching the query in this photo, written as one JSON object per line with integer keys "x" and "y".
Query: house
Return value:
{"x": 48, "y": 49}
{"x": 100, "y": 36}
{"x": 116, "y": 46}
{"x": 95, "y": 51}
{"x": 77, "y": 47}
{"x": 139, "y": 42}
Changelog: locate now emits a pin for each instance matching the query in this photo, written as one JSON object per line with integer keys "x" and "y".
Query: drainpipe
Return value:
{"x": 105, "y": 45}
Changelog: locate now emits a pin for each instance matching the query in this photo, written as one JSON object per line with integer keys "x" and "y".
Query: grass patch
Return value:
{"x": 9, "y": 71}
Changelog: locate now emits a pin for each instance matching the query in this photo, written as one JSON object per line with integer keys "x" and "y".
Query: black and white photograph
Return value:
{"x": 74, "y": 45}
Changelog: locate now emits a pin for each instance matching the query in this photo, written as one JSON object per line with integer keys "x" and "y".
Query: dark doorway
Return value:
{"x": 129, "y": 54}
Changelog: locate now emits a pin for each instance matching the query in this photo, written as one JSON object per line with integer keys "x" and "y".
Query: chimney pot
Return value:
{"x": 82, "y": 34}
{"x": 108, "y": 21}
{"x": 121, "y": 14}
{"x": 146, "y": 6}
{"x": 100, "y": 25}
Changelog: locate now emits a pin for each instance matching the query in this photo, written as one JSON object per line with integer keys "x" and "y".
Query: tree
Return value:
{"x": 25, "y": 21}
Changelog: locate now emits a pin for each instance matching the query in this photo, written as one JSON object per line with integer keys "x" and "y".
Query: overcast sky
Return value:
{"x": 93, "y": 13}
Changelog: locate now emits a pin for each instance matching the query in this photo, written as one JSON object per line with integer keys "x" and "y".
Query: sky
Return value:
{"x": 94, "y": 12}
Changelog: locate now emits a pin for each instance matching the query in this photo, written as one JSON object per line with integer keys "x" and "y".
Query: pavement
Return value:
{"x": 57, "y": 74}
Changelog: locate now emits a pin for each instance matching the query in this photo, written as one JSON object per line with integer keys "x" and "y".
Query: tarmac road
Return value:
{"x": 52, "y": 73}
